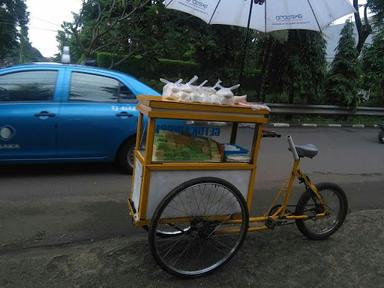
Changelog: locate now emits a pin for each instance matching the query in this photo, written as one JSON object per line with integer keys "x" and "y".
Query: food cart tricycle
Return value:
{"x": 194, "y": 197}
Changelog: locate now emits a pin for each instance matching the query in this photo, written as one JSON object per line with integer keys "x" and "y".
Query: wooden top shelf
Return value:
{"x": 154, "y": 106}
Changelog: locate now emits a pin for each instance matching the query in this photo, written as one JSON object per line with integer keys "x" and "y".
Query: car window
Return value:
{"x": 126, "y": 94}
{"x": 96, "y": 88}
{"x": 28, "y": 86}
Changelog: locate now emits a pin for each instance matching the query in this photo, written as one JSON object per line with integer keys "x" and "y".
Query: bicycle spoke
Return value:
{"x": 216, "y": 246}
{"x": 173, "y": 246}
{"x": 183, "y": 252}
{"x": 219, "y": 225}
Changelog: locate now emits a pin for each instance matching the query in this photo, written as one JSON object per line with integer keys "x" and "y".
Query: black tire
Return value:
{"x": 125, "y": 156}
{"x": 200, "y": 248}
{"x": 308, "y": 204}
{"x": 381, "y": 137}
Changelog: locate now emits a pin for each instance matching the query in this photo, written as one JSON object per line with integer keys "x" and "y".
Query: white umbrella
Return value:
{"x": 266, "y": 15}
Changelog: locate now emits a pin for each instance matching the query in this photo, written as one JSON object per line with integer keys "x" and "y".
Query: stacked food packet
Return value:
{"x": 217, "y": 94}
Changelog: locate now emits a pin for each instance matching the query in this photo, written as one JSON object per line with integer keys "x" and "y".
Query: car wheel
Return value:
{"x": 126, "y": 156}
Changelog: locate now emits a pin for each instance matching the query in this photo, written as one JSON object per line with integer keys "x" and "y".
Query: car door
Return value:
{"x": 28, "y": 113}
{"x": 98, "y": 115}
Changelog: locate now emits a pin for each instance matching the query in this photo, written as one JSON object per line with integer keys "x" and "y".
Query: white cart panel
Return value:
{"x": 137, "y": 184}
{"x": 162, "y": 182}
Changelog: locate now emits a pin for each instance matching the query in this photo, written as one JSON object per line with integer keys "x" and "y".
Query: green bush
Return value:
{"x": 171, "y": 69}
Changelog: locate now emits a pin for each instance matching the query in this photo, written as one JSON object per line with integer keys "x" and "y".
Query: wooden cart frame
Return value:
{"x": 153, "y": 108}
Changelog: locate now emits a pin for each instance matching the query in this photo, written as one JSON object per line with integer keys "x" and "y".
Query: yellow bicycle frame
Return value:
{"x": 281, "y": 212}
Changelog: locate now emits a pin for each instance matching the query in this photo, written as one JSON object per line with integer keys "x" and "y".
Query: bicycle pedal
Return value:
{"x": 270, "y": 223}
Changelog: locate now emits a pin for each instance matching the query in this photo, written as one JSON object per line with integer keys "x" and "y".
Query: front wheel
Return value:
{"x": 335, "y": 207}
{"x": 208, "y": 220}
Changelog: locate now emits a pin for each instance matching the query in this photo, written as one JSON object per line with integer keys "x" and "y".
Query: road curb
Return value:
{"x": 314, "y": 125}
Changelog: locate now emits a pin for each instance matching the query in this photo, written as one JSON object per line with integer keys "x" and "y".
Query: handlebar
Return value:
{"x": 292, "y": 148}
{"x": 270, "y": 133}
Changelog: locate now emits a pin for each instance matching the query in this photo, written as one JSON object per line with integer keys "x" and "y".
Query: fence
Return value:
{"x": 325, "y": 110}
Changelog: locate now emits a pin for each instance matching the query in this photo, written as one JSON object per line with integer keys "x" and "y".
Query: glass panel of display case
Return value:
{"x": 199, "y": 141}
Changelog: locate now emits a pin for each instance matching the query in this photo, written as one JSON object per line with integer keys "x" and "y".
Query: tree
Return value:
{"x": 377, "y": 8}
{"x": 100, "y": 26}
{"x": 373, "y": 68}
{"x": 297, "y": 68}
{"x": 13, "y": 30}
{"x": 306, "y": 66}
{"x": 342, "y": 82}
{"x": 151, "y": 32}
{"x": 363, "y": 26}
{"x": 269, "y": 46}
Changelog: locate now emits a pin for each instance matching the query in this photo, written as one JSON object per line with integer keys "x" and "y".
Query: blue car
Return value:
{"x": 68, "y": 113}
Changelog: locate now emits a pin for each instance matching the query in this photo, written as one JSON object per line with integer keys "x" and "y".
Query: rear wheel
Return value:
{"x": 199, "y": 214}
{"x": 335, "y": 206}
{"x": 126, "y": 156}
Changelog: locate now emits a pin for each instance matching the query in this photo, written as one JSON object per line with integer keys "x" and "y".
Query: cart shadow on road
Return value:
{"x": 19, "y": 170}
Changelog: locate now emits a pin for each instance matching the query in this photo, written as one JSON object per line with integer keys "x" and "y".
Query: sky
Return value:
{"x": 45, "y": 18}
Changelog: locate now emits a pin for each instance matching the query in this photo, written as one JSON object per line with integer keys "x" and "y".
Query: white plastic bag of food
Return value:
{"x": 170, "y": 88}
{"x": 225, "y": 95}
{"x": 208, "y": 94}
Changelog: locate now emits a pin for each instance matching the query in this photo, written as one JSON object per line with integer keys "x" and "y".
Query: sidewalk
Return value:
{"x": 315, "y": 125}
{"x": 353, "y": 257}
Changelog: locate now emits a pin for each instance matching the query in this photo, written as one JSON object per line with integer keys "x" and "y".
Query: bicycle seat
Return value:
{"x": 307, "y": 150}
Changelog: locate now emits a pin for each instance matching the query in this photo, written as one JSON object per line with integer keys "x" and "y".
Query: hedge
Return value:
{"x": 150, "y": 69}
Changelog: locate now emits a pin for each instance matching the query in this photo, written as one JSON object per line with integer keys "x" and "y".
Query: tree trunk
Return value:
{"x": 291, "y": 96}
{"x": 363, "y": 29}
{"x": 264, "y": 69}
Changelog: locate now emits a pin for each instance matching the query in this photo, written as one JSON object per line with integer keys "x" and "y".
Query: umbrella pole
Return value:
{"x": 246, "y": 44}
{"x": 265, "y": 66}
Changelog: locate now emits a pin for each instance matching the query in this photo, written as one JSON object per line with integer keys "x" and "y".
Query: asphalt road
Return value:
{"x": 351, "y": 258}
{"x": 44, "y": 205}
